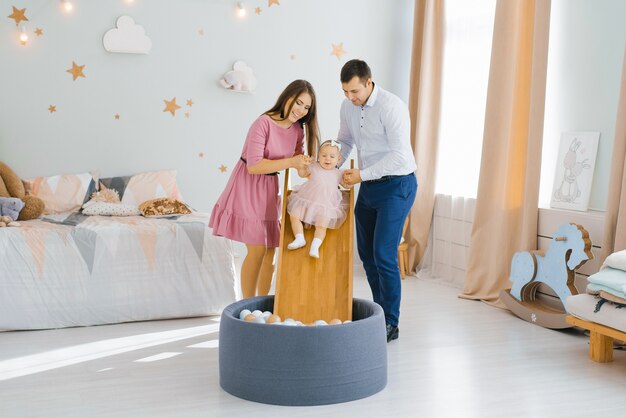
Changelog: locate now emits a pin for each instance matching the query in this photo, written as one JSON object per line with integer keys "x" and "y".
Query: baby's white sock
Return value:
{"x": 299, "y": 242}
{"x": 315, "y": 248}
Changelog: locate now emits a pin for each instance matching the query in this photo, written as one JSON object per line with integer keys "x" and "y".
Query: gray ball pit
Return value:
{"x": 291, "y": 365}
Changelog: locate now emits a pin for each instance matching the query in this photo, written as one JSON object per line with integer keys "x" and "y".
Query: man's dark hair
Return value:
{"x": 356, "y": 68}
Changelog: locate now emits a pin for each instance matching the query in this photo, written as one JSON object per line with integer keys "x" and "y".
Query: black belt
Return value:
{"x": 384, "y": 179}
{"x": 275, "y": 173}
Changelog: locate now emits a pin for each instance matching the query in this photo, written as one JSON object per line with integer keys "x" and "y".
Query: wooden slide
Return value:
{"x": 307, "y": 288}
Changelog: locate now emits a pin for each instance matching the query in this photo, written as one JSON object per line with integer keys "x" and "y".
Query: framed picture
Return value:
{"x": 575, "y": 164}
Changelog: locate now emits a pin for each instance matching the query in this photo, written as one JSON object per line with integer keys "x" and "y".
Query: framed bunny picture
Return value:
{"x": 575, "y": 165}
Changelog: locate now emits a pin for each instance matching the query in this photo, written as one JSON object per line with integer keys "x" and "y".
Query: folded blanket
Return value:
{"x": 612, "y": 298}
{"x": 617, "y": 260}
{"x": 610, "y": 278}
{"x": 598, "y": 290}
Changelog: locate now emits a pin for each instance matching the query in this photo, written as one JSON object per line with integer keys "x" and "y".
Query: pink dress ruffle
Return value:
{"x": 319, "y": 201}
{"x": 249, "y": 208}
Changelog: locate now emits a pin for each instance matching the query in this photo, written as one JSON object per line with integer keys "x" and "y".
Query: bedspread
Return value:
{"x": 101, "y": 270}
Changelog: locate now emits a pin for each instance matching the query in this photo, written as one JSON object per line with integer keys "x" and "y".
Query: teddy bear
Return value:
{"x": 7, "y": 221}
{"x": 11, "y": 207}
{"x": 11, "y": 186}
{"x": 241, "y": 78}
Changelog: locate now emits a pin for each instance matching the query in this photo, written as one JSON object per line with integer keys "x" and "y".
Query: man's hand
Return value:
{"x": 351, "y": 176}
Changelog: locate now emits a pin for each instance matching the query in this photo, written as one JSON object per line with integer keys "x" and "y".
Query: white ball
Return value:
{"x": 257, "y": 313}
{"x": 259, "y": 320}
{"x": 244, "y": 313}
{"x": 320, "y": 322}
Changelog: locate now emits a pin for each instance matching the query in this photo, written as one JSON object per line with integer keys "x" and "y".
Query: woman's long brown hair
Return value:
{"x": 309, "y": 122}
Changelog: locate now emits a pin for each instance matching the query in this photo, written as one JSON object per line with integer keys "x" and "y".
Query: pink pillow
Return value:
{"x": 134, "y": 190}
{"x": 62, "y": 193}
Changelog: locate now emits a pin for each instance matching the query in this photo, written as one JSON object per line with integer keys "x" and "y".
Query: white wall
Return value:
{"x": 584, "y": 69}
{"x": 83, "y": 134}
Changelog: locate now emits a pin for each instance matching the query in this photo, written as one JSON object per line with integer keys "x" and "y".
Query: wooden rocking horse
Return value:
{"x": 569, "y": 250}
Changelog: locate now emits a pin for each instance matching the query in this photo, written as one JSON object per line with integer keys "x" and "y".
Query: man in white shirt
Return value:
{"x": 377, "y": 123}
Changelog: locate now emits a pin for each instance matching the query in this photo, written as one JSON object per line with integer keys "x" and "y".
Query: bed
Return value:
{"x": 70, "y": 269}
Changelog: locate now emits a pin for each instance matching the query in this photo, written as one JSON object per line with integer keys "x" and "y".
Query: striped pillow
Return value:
{"x": 134, "y": 190}
{"x": 62, "y": 193}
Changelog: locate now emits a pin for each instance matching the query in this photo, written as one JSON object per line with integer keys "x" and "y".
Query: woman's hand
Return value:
{"x": 300, "y": 162}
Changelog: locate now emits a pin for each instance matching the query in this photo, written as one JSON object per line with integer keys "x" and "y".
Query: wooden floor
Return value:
{"x": 454, "y": 358}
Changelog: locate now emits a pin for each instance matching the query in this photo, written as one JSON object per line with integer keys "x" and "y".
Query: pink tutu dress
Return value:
{"x": 319, "y": 201}
{"x": 249, "y": 208}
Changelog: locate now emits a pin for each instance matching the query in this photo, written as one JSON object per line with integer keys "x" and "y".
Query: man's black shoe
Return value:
{"x": 392, "y": 333}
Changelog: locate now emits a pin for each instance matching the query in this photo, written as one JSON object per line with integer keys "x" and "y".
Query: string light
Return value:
{"x": 67, "y": 5}
{"x": 241, "y": 10}
{"x": 23, "y": 36}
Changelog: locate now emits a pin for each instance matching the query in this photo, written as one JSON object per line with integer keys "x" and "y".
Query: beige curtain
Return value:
{"x": 615, "y": 217}
{"x": 508, "y": 190}
{"x": 424, "y": 107}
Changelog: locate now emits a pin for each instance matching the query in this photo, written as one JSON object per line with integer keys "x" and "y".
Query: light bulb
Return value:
{"x": 241, "y": 10}
{"x": 23, "y": 36}
{"x": 67, "y": 5}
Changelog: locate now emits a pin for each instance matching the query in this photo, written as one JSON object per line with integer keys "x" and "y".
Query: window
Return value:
{"x": 467, "y": 55}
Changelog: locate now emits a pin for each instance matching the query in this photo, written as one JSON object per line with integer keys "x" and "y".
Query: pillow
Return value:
{"x": 62, "y": 193}
{"x": 164, "y": 207}
{"x": 134, "y": 190}
{"x": 110, "y": 209}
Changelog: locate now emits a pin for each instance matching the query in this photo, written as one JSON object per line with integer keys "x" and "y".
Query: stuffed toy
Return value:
{"x": 105, "y": 195}
{"x": 11, "y": 186}
{"x": 241, "y": 78}
{"x": 11, "y": 207}
{"x": 7, "y": 221}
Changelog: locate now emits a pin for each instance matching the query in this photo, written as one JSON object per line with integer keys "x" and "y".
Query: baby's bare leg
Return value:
{"x": 320, "y": 234}
{"x": 298, "y": 232}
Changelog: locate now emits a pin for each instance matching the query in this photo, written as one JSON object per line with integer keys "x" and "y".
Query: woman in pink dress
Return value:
{"x": 248, "y": 209}
{"x": 319, "y": 201}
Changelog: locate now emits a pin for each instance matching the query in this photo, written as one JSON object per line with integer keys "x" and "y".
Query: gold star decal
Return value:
{"x": 76, "y": 71}
{"x": 18, "y": 15}
{"x": 201, "y": 32}
{"x": 222, "y": 168}
{"x": 201, "y": 154}
{"x": 338, "y": 50}
{"x": 52, "y": 108}
{"x": 257, "y": 10}
{"x": 171, "y": 106}
{"x": 117, "y": 116}
{"x": 189, "y": 102}
{"x": 38, "y": 32}
{"x": 270, "y": 2}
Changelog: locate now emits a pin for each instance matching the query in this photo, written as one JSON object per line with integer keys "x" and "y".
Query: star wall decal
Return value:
{"x": 201, "y": 154}
{"x": 76, "y": 71}
{"x": 257, "y": 10}
{"x": 171, "y": 106}
{"x": 117, "y": 116}
{"x": 38, "y": 32}
{"x": 52, "y": 108}
{"x": 189, "y": 102}
{"x": 223, "y": 168}
{"x": 18, "y": 15}
{"x": 187, "y": 114}
{"x": 270, "y": 2}
{"x": 338, "y": 50}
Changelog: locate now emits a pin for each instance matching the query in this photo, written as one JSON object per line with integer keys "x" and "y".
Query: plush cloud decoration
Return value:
{"x": 128, "y": 37}
{"x": 241, "y": 78}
